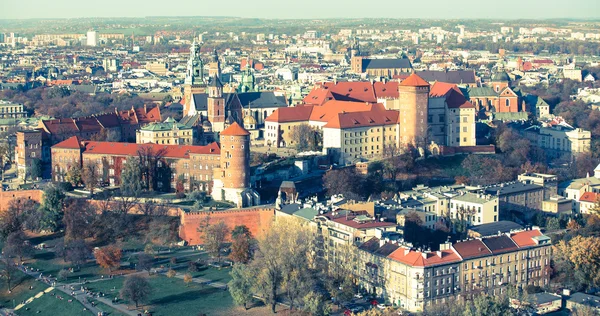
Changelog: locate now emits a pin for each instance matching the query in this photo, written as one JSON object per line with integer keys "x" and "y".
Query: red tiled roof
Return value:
{"x": 524, "y": 238}
{"x": 318, "y": 96}
{"x": 414, "y": 81}
{"x": 291, "y": 114}
{"x": 129, "y": 149}
{"x": 471, "y": 249}
{"x": 543, "y": 61}
{"x": 591, "y": 197}
{"x": 375, "y": 117}
{"x": 440, "y": 89}
{"x": 361, "y": 91}
{"x": 421, "y": 259}
{"x": 235, "y": 130}
{"x": 70, "y": 143}
{"x": 331, "y": 108}
{"x": 387, "y": 90}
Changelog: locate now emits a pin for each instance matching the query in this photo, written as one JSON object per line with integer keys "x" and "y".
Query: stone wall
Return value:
{"x": 257, "y": 219}
{"x": 7, "y": 196}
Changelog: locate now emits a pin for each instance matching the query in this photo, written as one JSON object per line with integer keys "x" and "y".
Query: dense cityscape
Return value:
{"x": 247, "y": 166}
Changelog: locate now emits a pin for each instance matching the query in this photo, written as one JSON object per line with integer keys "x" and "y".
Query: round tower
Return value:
{"x": 413, "y": 106}
{"x": 233, "y": 178}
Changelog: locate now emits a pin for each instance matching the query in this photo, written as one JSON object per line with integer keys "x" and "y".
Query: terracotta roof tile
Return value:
{"x": 524, "y": 238}
{"x": 235, "y": 130}
{"x": 291, "y": 114}
{"x": 72, "y": 143}
{"x": 471, "y": 249}
{"x": 591, "y": 197}
{"x": 129, "y": 149}
{"x": 414, "y": 81}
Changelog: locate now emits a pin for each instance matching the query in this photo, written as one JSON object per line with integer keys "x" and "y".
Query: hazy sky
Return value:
{"x": 18, "y": 9}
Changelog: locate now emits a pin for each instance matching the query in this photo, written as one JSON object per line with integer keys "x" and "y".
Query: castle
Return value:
{"x": 221, "y": 169}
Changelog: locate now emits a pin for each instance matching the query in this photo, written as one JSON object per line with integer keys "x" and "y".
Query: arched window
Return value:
{"x": 507, "y": 102}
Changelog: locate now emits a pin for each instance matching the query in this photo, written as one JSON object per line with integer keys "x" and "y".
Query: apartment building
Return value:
{"x": 11, "y": 110}
{"x": 560, "y": 140}
{"x": 523, "y": 197}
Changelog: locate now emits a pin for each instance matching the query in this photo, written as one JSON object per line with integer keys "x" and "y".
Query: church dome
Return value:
{"x": 500, "y": 77}
{"x": 249, "y": 120}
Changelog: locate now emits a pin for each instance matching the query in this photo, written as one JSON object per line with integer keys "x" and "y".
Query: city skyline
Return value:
{"x": 310, "y": 9}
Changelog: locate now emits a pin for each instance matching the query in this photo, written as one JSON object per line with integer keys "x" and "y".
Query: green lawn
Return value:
{"x": 49, "y": 264}
{"x": 20, "y": 291}
{"x": 109, "y": 310}
{"x": 173, "y": 297}
{"x": 53, "y": 306}
{"x": 213, "y": 274}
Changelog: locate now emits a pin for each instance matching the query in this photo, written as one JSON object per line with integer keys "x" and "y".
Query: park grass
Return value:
{"x": 48, "y": 264}
{"x": 107, "y": 309}
{"x": 21, "y": 291}
{"x": 51, "y": 305}
{"x": 171, "y": 296}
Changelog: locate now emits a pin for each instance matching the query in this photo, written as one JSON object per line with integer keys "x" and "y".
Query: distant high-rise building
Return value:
{"x": 92, "y": 38}
{"x": 2, "y": 37}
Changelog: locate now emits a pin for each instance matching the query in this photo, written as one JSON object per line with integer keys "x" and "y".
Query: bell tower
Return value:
{"x": 214, "y": 67}
{"x": 216, "y": 104}
{"x": 194, "y": 79}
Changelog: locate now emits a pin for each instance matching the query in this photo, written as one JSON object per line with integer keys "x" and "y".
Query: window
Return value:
{"x": 507, "y": 102}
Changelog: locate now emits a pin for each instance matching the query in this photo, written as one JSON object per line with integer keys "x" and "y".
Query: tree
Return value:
{"x": 552, "y": 223}
{"x": 12, "y": 219}
{"x": 51, "y": 208}
{"x": 171, "y": 273}
{"x": 63, "y": 274}
{"x": 315, "y": 304}
{"x": 283, "y": 251}
{"x": 149, "y": 160}
{"x": 577, "y": 260}
{"x": 73, "y": 175}
{"x": 6, "y": 155}
{"x": 89, "y": 176}
{"x": 343, "y": 181}
{"x": 78, "y": 217}
{"x": 306, "y": 138}
{"x": 8, "y": 271}
{"x": 136, "y": 289}
{"x": 131, "y": 178}
{"x": 240, "y": 286}
{"x": 125, "y": 204}
{"x": 214, "y": 239}
{"x": 35, "y": 170}
{"x": 241, "y": 238}
{"x": 77, "y": 252}
{"x": 187, "y": 279}
{"x": 17, "y": 246}
{"x": 108, "y": 257}
{"x": 145, "y": 262}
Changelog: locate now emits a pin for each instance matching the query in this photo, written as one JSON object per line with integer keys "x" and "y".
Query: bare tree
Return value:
{"x": 125, "y": 204}
{"x": 89, "y": 176}
{"x": 149, "y": 160}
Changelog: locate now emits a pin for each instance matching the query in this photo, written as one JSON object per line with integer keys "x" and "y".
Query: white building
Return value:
{"x": 92, "y": 38}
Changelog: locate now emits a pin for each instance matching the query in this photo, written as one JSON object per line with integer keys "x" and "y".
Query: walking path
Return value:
{"x": 77, "y": 291}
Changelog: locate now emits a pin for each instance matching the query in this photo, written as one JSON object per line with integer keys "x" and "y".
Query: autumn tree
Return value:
{"x": 145, "y": 262}
{"x": 240, "y": 286}
{"x": 8, "y": 271}
{"x": 187, "y": 279}
{"x": 12, "y": 219}
{"x": 306, "y": 138}
{"x": 108, "y": 257}
{"x": 283, "y": 253}
{"x": 90, "y": 176}
{"x": 77, "y": 252}
{"x": 214, "y": 239}
{"x": 149, "y": 159}
{"x": 343, "y": 181}
{"x": 136, "y": 289}
{"x": 73, "y": 175}
{"x": 577, "y": 260}
{"x": 241, "y": 241}
{"x": 17, "y": 246}
{"x": 79, "y": 216}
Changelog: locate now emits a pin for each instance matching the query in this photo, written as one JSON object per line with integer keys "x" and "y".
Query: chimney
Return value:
{"x": 424, "y": 254}
{"x": 439, "y": 253}
{"x": 406, "y": 251}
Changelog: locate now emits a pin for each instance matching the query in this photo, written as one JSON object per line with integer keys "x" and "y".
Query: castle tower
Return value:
{"x": 413, "y": 105}
{"x": 214, "y": 67}
{"x": 232, "y": 180}
{"x": 194, "y": 79}
{"x": 216, "y": 104}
